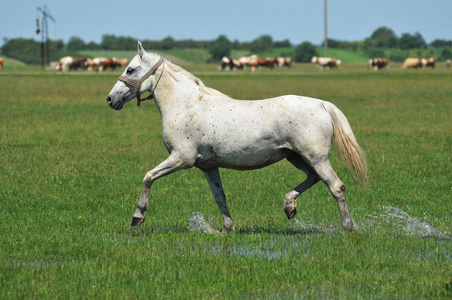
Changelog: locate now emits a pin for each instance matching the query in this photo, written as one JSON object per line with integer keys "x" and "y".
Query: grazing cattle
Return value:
{"x": 250, "y": 61}
{"x": 378, "y": 63}
{"x": 100, "y": 63}
{"x": 326, "y": 62}
{"x": 92, "y": 64}
{"x": 230, "y": 64}
{"x": 95, "y": 63}
{"x": 412, "y": 62}
{"x": 449, "y": 63}
{"x": 108, "y": 63}
{"x": 113, "y": 63}
{"x": 254, "y": 62}
{"x": 1, "y": 63}
{"x": 122, "y": 62}
{"x": 268, "y": 62}
{"x": 65, "y": 62}
{"x": 226, "y": 63}
{"x": 284, "y": 61}
{"x": 245, "y": 61}
{"x": 428, "y": 62}
{"x": 77, "y": 63}
{"x": 237, "y": 64}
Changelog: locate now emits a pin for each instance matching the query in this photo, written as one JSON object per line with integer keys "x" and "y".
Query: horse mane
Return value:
{"x": 176, "y": 71}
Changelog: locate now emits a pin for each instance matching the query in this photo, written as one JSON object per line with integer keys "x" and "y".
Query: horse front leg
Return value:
{"x": 170, "y": 165}
{"x": 214, "y": 180}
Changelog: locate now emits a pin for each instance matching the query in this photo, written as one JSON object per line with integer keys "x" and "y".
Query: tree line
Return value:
{"x": 28, "y": 50}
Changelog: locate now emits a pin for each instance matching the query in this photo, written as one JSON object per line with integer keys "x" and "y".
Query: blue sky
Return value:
{"x": 243, "y": 20}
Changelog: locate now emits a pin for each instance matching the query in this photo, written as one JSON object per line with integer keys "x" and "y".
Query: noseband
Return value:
{"x": 136, "y": 84}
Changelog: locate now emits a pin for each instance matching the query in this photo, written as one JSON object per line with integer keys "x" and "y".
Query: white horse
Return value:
{"x": 206, "y": 129}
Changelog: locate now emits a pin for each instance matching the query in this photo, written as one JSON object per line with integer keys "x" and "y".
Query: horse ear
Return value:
{"x": 140, "y": 49}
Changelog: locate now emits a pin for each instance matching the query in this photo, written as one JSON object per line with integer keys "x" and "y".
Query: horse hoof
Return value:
{"x": 290, "y": 212}
{"x": 228, "y": 230}
{"x": 352, "y": 228}
{"x": 136, "y": 221}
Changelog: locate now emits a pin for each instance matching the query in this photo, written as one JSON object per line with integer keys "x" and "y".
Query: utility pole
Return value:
{"x": 325, "y": 43}
{"x": 44, "y": 34}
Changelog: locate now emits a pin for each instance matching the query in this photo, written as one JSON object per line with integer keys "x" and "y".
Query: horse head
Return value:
{"x": 135, "y": 79}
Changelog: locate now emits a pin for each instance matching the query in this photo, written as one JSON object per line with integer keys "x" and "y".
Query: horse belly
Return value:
{"x": 241, "y": 158}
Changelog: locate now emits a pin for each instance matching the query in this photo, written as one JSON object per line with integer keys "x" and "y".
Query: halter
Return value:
{"x": 136, "y": 84}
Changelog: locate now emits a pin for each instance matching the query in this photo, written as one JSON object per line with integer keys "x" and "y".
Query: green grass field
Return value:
{"x": 72, "y": 168}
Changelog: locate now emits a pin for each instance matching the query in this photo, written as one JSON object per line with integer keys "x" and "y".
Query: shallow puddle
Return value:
{"x": 39, "y": 263}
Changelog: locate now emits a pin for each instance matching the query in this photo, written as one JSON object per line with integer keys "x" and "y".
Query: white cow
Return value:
{"x": 326, "y": 62}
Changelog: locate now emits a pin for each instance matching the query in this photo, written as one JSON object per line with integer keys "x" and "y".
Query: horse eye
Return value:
{"x": 129, "y": 71}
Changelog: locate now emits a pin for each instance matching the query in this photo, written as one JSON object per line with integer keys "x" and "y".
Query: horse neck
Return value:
{"x": 174, "y": 90}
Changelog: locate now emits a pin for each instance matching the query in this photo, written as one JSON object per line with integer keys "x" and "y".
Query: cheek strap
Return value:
{"x": 135, "y": 84}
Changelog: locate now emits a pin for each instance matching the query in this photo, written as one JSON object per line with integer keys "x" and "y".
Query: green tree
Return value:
{"x": 75, "y": 43}
{"x": 374, "y": 52}
{"x": 25, "y": 50}
{"x": 108, "y": 42}
{"x": 92, "y": 46}
{"x": 262, "y": 43}
{"x": 282, "y": 44}
{"x": 220, "y": 47}
{"x": 408, "y": 41}
{"x": 445, "y": 54}
{"x": 384, "y": 37}
{"x": 112, "y": 42}
{"x": 441, "y": 43}
{"x": 167, "y": 43}
{"x": 304, "y": 52}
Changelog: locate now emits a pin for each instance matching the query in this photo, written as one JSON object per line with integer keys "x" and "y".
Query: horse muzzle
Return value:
{"x": 117, "y": 105}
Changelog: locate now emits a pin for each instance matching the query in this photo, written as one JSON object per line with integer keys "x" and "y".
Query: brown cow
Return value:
{"x": 113, "y": 63}
{"x": 268, "y": 62}
{"x": 1, "y": 63}
{"x": 428, "y": 62}
{"x": 378, "y": 63}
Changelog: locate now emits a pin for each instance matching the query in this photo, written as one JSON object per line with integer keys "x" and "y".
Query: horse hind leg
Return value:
{"x": 290, "y": 199}
{"x": 337, "y": 189}
{"x": 214, "y": 180}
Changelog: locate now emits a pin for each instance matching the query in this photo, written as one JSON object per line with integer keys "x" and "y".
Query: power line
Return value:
{"x": 325, "y": 43}
{"x": 44, "y": 33}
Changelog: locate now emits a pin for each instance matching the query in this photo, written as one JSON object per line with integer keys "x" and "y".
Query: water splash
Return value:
{"x": 401, "y": 222}
{"x": 331, "y": 230}
{"x": 248, "y": 251}
{"x": 395, "y": 220}
{"x": 199, "y": 223}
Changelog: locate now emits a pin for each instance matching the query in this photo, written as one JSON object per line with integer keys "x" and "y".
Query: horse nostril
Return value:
{"x": 108, "y": 99}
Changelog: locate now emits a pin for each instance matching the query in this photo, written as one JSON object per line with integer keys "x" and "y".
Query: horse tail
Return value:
{"x": 347, "y": 145}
